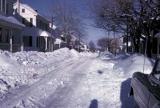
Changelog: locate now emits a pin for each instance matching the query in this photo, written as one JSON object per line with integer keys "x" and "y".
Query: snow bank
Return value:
{"x": 23, "y": 68}
{"x": 127, "y": 65}
{"x": 75, "y": 53}
{"x": 88, "y": 54}
{"x": 105, "y": 55}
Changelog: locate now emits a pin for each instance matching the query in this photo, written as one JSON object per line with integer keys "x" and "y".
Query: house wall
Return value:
{"x": 6, "y": 7}
{"x": 37, "y": 24}
{"x": 6, "y": 34}
{"x": 27, "y": 14}
{"x": 42, "y": 24}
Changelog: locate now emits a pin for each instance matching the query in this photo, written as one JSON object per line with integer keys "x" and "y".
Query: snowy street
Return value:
{"x": 79, "y": 81}
{"x": 79, "y": 53}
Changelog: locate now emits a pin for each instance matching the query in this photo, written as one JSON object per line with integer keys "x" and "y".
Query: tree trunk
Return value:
{"x": 149, "y": 47}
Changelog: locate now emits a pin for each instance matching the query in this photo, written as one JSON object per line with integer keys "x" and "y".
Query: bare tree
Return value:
{"x": 104, "y": 43}
{"x": 138, "y": 19}
{"x": 92, "y": 46}
{"x": 67, "y": 19}
{"x": 114, "y": 46}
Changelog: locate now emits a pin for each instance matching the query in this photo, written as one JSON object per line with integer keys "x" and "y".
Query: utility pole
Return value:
{"x": 79, "y": 44}
{"x": 108, "y": 42}
{"x": 115, "y": 42}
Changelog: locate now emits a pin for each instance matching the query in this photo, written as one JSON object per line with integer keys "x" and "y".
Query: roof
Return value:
{"x": 10, "y": 22}
{"x": 58, "y": 41}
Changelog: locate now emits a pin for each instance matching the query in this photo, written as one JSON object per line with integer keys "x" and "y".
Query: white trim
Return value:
{"x": 11, "y": 41}
{"x": 46, "y": 43}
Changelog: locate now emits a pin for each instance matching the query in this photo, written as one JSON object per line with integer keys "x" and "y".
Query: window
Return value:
{"x": 0, "y": 5}
{"x": 4, "y": 6}
{"x": 6, "y": 37}
{"x": 7, "y": 8}
{"x": 27, "y": 41}
{"x": 0, "y": 34}
{"x": 23, "y": 10}
{"x": 16, "y": 10}
{"x": 31, "y": 22}
{"x": 40, "y": 42}
{"x": 23, "y": 20}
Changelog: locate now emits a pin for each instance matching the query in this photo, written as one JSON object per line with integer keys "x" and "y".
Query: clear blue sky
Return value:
{"x": 44, "y": 7}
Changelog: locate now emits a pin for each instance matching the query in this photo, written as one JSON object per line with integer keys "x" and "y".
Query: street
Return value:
{"x": 74, "y": 83}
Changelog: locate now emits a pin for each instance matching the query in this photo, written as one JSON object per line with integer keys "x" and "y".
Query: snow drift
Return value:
{"x": 23, "y": 68}
{"x": 127, "y": 65}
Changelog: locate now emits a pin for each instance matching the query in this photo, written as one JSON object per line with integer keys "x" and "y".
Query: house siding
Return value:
{"x": 37, "y": 27}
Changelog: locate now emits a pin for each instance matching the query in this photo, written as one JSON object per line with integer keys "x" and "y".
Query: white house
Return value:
{"x": 83, "y": 46}
{"x": 10, "y": 27}
{"x": 37, "y": 34}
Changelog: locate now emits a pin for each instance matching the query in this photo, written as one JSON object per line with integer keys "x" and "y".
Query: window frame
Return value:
{"x": 23, "y": 10}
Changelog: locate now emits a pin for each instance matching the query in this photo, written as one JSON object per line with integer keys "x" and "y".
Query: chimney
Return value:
{"x": 18, "y": 6}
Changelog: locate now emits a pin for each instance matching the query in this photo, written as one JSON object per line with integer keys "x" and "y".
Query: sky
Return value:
{"x": 91, "y": 33}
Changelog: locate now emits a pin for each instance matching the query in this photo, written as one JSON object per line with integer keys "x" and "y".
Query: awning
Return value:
{"x": 10, "y": 22}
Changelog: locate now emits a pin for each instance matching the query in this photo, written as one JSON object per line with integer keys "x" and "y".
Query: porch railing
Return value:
{"x": 6, "y": 46}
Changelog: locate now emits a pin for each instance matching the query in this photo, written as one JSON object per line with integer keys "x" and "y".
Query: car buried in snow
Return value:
{"x": 145, "y": 88}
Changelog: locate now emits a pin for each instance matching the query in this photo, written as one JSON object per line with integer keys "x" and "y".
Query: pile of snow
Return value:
{"x": 128, "y": 65}
{"x": 88, "y": 54}
{"x": 105, "y": 55}
{"x": 23, "y": 68}
{"x": 75, "y": 53}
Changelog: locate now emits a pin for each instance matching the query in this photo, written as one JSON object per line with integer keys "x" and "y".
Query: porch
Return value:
{"x": 35, "y": 39}
{"x": 10, "y": 34}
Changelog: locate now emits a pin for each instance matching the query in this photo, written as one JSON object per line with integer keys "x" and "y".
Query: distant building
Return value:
{"x": 84, "y": 46}
{"x": 10, "y": 28}
{"x": 127, "y": 44}
{"x": 37, "y": 34}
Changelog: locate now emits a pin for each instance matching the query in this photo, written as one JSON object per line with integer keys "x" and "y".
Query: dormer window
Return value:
{"x": 23, "y": 10}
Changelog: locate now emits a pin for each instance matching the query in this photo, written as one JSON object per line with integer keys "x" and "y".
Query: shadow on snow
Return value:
{"x": 126, "y": 101}
{"x": 94, "y": 104}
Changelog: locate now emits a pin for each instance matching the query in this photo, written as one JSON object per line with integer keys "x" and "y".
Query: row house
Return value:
{"x": 37, "y": 34}
{"x": 10, "y": 28}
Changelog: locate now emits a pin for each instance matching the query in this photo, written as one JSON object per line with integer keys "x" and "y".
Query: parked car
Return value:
{"x": 146, "y": 88}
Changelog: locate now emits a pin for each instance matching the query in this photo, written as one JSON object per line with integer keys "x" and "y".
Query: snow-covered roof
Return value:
{"x": 36, "y": 32}
{"x": 74, "y": 38}
{"x": 10, "y": 21}
{"x": 52, "y": 26}
{"x": 58, "y": 41}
